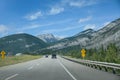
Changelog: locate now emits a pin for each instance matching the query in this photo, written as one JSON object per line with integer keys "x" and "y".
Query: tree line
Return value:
{"x": 111, "y": 53}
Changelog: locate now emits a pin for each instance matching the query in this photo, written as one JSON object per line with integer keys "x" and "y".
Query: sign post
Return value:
{"x": 3, "y": 54}
{"x": 83, "y": 53}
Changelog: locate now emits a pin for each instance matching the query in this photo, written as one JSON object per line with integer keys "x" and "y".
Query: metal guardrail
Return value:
{"x": 97, "y": 65}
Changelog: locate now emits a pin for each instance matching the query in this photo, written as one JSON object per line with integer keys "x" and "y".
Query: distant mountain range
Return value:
{"x": 48, "y": 38}
{"x": 92, "y": 39}
{"x": 19, "y": 43}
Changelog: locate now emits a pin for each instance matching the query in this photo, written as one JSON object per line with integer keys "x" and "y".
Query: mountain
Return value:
{"x": 108, "y": 34}
{"x": 81, "y": 38}
{"x": 92, "y": 39}
{"x": 48, "y": 38}
{"x": 20, "y": 43}
{"x": 86, "y": 32}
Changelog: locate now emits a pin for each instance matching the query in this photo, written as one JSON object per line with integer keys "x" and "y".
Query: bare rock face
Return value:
{"x": 92, "y": 39}
{"x": 48, "y": 38}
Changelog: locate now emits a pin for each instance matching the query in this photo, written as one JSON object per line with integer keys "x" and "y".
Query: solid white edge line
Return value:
{"x": 67, "y": 70}
{"x": 11, "y": 76}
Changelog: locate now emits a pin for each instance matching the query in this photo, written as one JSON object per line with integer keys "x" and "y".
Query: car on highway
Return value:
{"x": 54, "y": 56}
{"x": 46, "y": 56}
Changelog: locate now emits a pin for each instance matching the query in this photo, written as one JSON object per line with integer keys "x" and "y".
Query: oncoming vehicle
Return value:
{"x": 54, "y": 56}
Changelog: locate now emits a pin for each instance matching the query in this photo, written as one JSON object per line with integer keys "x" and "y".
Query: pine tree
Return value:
{"x": 111, "y": 53}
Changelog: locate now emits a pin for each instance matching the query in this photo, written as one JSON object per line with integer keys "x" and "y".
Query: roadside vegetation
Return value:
{"x": 111, "y": 53}
{"x": 9, "y": 60}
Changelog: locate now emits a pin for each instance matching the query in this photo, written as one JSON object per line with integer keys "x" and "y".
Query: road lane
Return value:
{"x": 67, "y": 70}
{"x": 7, "y": 71}
{"x": 53, "y": 69}
{"x": 11, "y": 77}
{"x": 82, "y": 72}
{"x": 49, "y": 69}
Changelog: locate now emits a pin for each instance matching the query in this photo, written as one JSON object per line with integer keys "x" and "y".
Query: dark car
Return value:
{"x": 54, "y": 56}
{"x": 46, "y": 56}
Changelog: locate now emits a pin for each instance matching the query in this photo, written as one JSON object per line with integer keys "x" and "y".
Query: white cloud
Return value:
{"x": 19, "y": 32}
{"x": 103, "y": 25}
{"x": 60, "y": 30}
{"x": 84, "y": 19}
{"x": 106, "y": 23}
{"x": 90, "y": 26}
{"x": 38, "y": 25}
{"x": 32, "y": 26}
{"x": 3, "y": 28}
{"x": 52, "y": 11}
{"x": 82, "y": 3}
{"x": 34, "y": 16}
{"x": 61, "y": 36}
{"x": 60, "y": 7}
{"x": 56, "y": 10}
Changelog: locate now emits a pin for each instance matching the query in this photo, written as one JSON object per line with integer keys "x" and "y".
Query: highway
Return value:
{"x": 53, "y": 69}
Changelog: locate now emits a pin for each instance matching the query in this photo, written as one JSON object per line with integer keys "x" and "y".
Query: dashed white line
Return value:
{"x": 11, "y": 77}
{"x": 30, "y": 68}
{"x": 67, "y": 71}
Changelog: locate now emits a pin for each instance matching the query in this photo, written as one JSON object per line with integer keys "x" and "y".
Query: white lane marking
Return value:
{"x": 30, "y": 68}
{"x": 67, "y": 71}
{"x": 11, "y": 76}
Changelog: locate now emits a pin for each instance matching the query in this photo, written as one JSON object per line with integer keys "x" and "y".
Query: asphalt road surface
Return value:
{"x": 53, "y": 69}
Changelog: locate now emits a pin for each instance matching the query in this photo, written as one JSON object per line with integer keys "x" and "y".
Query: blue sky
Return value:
{"x": 60, "y": 17}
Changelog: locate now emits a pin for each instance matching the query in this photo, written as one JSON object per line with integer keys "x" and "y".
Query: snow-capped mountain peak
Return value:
{"x": 48, "y": 38}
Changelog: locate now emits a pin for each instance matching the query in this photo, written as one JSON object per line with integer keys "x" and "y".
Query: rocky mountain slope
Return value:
{"x": 109, "y": 34}
{"x": 92, "y": 39}
{"x": 19, "y": 43}
{"x": 48, "y": 38}
{"x": 79, "y": 39}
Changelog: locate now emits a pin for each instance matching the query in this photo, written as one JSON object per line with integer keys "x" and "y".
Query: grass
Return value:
{"x": 9, "y": 60}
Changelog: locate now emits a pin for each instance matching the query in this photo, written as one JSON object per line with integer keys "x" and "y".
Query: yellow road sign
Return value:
{"x": 3, "y": 54}
{"x": 83, "y": 53}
